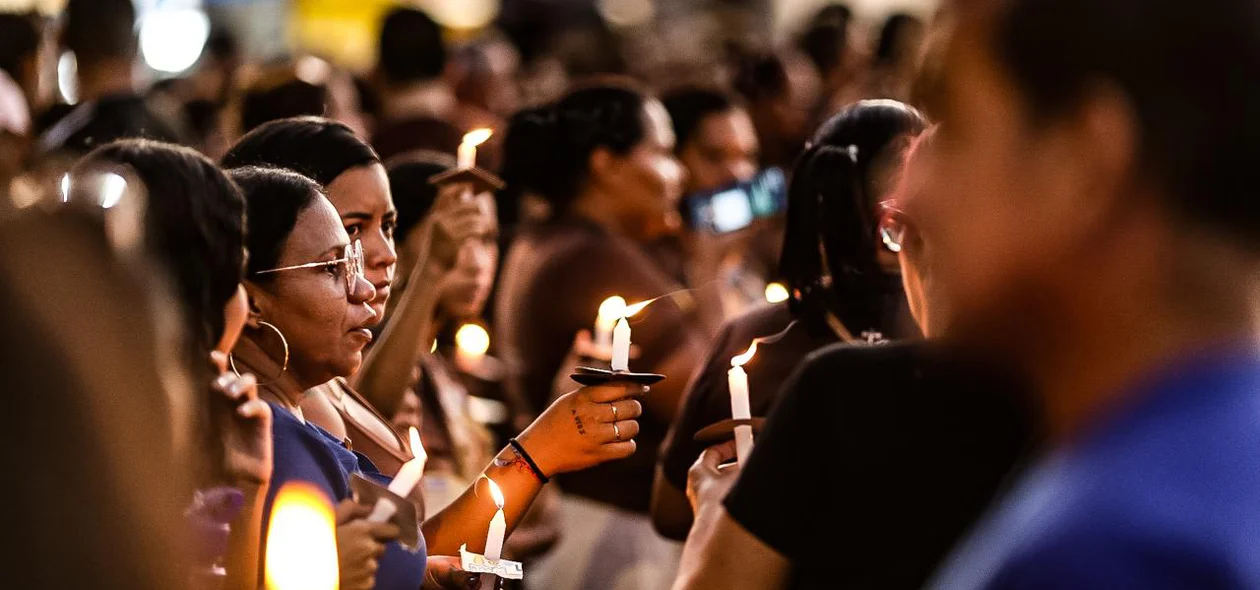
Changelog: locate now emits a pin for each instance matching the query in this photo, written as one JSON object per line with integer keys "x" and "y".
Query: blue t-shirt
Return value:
{"x": 306, "y": 452}
{"x": 1165, "y": 494}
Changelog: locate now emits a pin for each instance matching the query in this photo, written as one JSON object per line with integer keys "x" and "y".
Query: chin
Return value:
{"x": 350, "y": 366}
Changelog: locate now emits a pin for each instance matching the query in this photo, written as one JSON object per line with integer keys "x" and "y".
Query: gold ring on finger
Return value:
{"x": 616, "y": 432}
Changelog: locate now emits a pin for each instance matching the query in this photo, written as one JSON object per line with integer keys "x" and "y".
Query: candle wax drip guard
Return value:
{"x": 593, "y": 376}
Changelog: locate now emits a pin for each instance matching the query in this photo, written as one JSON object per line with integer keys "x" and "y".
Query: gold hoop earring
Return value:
{"x": 283, "y": 367}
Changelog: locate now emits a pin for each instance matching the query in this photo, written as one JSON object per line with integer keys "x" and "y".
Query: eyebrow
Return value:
{"x": 359, "y": 215}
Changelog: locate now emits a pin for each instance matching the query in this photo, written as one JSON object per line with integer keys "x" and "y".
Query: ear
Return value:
{"x": 1106, "y": 153}
{"x": 258, "y": 303}
{"x": 602, "y": 163}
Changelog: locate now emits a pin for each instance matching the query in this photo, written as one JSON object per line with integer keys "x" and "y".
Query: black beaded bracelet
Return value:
{"x": 520, "y": 450}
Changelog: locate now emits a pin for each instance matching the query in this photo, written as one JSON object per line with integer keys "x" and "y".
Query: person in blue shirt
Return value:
{"x": 1090, "y": 205}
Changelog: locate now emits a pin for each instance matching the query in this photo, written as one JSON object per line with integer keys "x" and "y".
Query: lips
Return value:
{"x": 362, "y": 333}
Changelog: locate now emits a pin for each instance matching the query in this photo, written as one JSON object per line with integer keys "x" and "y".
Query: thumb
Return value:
{"x": 348, "y": 510}
{"x": 718, "y": 454}
{"x": 219, "y": 360}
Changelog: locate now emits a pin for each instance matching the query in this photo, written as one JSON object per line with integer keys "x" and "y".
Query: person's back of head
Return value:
{"x": 688, "y": 108}
{"x": 195, "y": 227}
{"x": 547, "y": 150}
{"x": 825, "y": 45}
{"x": 280, "y": 95}
{"x": 320, "y": 149}
{"x": 411, "y": 47}
{"x": 833, "y": 200}
{"x": 99, "y": 31}
{"x": 898, "y": 37}
{"x": 760, "y": 76}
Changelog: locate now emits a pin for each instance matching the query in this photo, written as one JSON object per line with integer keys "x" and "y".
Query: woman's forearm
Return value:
{"x": 387, "y": 369}
{"x": 468, "y": 517}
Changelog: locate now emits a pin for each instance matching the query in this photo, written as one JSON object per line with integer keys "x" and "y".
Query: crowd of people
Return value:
{"x": 970, "y": 308}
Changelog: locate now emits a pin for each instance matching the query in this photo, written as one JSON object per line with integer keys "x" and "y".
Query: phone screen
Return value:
{"x": 735, "y": 207}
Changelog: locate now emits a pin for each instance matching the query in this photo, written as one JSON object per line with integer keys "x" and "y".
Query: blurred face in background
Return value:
{"x": 1005, "y": 213}
{"x": 723, "y": 150}
{"x": 645, "y": 183}
{"x": 361, "y": 196}
{"x": 467, "y": 287}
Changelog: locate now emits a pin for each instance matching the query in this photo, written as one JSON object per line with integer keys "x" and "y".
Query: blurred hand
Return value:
{"x": 360, "y": 544}
{"x": 453, "y": 221}
{"x": 444, "y": 572}
{"x": 244, "y": 422}
{"x": 576, "y": 432}
{"x": 707, "y": 483}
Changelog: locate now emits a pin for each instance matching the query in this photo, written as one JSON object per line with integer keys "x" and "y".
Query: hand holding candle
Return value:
{"x": 737, "y": 378}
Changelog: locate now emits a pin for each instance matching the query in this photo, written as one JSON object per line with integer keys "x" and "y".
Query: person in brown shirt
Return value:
{"x": 602, "y": 158}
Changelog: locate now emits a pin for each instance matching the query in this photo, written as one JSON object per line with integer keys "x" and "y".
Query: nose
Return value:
{"x": 380, "y": 252}
{"x": 475, "y": 256}
{"x": 361, "y": 291}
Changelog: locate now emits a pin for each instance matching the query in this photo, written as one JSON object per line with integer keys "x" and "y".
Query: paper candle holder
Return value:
{"x": 474, "y": 563}
{"x": 591, "y": 376}
{"x": 368, "y": 492}
{"x": 481, "y": 180}
{"x": 720, "y": 432}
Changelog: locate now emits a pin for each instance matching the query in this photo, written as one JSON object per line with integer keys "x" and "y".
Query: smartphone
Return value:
{"x": 735, "y": 207}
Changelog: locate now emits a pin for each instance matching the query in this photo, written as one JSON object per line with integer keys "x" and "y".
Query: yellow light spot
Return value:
{"x": 776, "y": 293}
{"x": 472, "y": 339}
{"x": 301, "y": 541}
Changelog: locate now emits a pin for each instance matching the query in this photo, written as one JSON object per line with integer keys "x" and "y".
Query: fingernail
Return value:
{"x": 646, "y": 389}
{"x": 221, "y": 382}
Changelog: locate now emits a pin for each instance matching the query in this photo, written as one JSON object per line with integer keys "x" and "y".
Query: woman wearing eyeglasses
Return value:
{"x": 299, "y": 352}
{"x": 842, "y": 277}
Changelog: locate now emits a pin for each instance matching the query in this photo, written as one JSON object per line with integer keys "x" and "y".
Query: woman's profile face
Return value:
{"x": 366, "y": 210}
{"x": 325, "y": 323}
{"x": 467, "y": 287}
{"x": 647, "y": 181}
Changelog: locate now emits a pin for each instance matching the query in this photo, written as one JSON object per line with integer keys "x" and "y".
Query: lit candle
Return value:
{"x": 776, "y": 293}
{"x": 404, "y": 482}
{"x": 468, "y": 147}
{"x": 496, "y": 533}
{"x": 301, "y": 551}
{"x": 471, "y": 343}
{"x": 621, "y": 338}
{"x": 740, "y": 408}
{"x": 611, "y": 310}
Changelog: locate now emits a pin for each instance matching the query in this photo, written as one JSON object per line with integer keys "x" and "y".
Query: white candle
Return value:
{"x": 404, "y": 482}
{"x": 611, "y": 310}
{"x": 737, "y": 379}
{"x": 495, "y": 534}
{"x": 621, "y": 346}
{"x": 467, "y": 153}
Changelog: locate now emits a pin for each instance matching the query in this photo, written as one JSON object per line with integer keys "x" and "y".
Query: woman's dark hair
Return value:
{"x": 274, "y": 199}
{"x": 1197, "y": 112}
{"x": 195, "y": 226}
{"x": 832, "y": 204}
{"x": 317, "y": 148}
{"x": 414, "y": 195}
{"x": 759, "y": 76}
{"x": 547, "y": 149}
{"x": 688, "y": 108}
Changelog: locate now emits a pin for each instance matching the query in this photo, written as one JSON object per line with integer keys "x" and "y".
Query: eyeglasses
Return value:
{"x": 892, "y": 226}
{"x": 352, "y": 258}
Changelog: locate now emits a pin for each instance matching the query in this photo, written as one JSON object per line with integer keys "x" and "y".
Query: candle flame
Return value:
{"x": 301, "y": 541}
{"x": 495, "y": 493}
{"x": 612, "y": 309}
{"x": 776, "y": 293}
{"x": 473, "y": 339}
{"x": 417, "y": 447}
{"x": 739, "y": 360}
{"x": 636, "y": 308}
{"x": 477, "y": 137}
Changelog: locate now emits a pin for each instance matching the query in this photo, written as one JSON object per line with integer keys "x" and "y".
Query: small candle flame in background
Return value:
{"x": 741, "y": 359}
{"x": 776, "y": 293}
{"x": 495, "y": 493}
{"x": 472, "y": 339}
{"x": 301, "y": 541}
